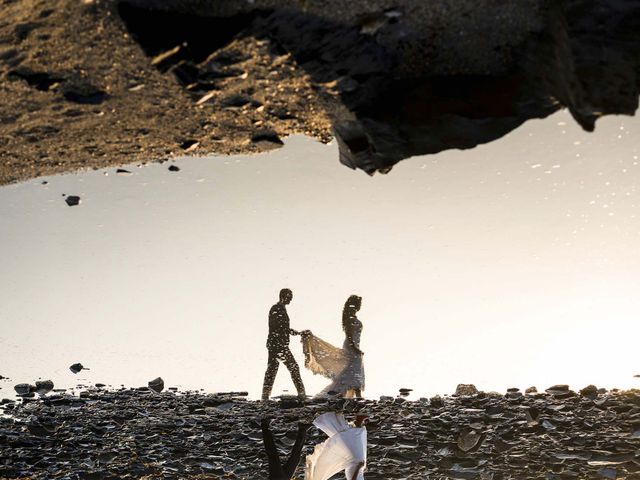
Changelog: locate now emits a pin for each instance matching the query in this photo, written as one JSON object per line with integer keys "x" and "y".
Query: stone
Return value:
{"x": 469, "y": 440}
{"x": 531, "y": 390}
{"x": 77, "y": 367}
{"x": 44, "y": 386}
{"x": 464, "y": 389}
{"x": 590, "y": 391}
{"x": 611, "y": 473}
{"x": 123, "y": 172}
{"x": 157, "y": 384}
{"x": 24, "y": 388}
{"x": 558, "y": 388}
{"x": 73, "y": 200}
{"x": 174, "y": 168}
{"x": 267, "y": 138}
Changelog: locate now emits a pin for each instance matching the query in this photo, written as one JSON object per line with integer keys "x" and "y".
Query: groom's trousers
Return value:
{"x": 278, "y": 471}
{"x": 285, "y": 356}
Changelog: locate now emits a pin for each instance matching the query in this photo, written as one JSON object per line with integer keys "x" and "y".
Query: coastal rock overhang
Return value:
{"x": 409, "y": 77}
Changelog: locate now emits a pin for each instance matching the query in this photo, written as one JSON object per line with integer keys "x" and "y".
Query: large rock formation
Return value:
{"x": 417, "y": 77}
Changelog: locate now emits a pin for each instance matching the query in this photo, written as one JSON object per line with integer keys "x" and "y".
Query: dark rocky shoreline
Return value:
{"x": 138, "y": 433}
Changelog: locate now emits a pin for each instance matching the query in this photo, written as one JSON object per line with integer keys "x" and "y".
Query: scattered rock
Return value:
{"x": 268, "y": 137}
{"x": 531, "y": 390}
{"x": 189, "y": 145}
{"x": 79, "y": 91}
{"x": 177, "y": 433}
{"x": 77, "y": 367}
{"x": 123, "y": 172}
{"x": 174, "y": 168}
{"x": 590, "y": 391}
{"x": 608, "y": 473}
{"x": 43, "y": 387}
{"x": 469, "y": 440}
{"x": 157, "y": 384}
{"x": 464, "y": 389}
{"x": 24, "y": 388}
{"x": 72, "y": 200}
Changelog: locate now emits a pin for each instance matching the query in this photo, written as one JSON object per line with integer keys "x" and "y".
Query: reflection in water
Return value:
{"x": 343, "y": 366}
{"x": 278, "y": 346}
{"x": 522, "y": 253}
{"x": 345, "y": 449}
{"x": 401, "y": 83}
{"x": 277, "y": 470}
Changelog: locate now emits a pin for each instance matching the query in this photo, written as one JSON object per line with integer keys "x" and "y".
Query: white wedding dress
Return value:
{"x": 345, "y": 449}
{"x": 344, "y": 366}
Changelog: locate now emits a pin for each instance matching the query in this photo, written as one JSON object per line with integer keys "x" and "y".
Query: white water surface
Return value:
{"x": 515, "y": 263}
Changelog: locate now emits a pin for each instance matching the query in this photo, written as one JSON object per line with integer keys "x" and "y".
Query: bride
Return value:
{"x": 344, "y": 365}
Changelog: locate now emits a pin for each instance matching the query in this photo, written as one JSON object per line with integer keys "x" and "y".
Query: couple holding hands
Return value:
{"x": 343, "y": 366}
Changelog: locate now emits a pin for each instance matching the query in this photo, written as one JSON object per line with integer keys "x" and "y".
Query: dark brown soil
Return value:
{"x": 78, "y": 92}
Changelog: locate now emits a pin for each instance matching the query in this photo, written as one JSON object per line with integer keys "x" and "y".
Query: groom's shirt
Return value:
{"x": 279, "y": 329}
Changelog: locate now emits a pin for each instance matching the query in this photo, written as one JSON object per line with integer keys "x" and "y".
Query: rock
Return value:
{"x": 608, "y": 473}
{"x": 79, "y": 91}
{"x": 464, "y": 389}
{"x": 590, "y": 391}
{"x": 436, "y": 401}
{"x": 189, "y": 145}
{"x": 24, "y": 389}
{"x": 558, "y": 388}
{"x": 513, "y": 395}
{"x": 72, "y": 200}
{"x": 43, "y": 387}
{"x": 267, "y": 138}
{"x": 174, "y": 168}
{"x": 157, "y": 384}
{"x": 531, "y": 390}
{"x": 123, "y": 172}
{"x": 77, "y": 367}
{"x": 469, "y": 440}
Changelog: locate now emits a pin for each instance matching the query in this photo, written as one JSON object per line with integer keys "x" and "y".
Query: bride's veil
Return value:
{"x": 322, "y": 358}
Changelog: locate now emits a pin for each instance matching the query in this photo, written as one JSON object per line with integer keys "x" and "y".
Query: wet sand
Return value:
{"x": 558, "y": 434}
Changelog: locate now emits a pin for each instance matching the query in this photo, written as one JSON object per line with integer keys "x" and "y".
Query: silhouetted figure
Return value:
{"x": 278, "y": 471}
{"x": 278, "y": 346}
{"x": 344, "y": 366}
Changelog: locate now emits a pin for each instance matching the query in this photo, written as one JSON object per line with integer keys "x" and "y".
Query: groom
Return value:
{"x": 278, "y": 346}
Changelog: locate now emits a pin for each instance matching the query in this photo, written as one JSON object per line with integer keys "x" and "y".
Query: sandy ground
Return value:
{"x": 77, "y": 92}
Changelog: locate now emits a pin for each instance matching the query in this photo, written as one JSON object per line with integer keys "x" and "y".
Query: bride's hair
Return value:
{"x": 351, "y": 306}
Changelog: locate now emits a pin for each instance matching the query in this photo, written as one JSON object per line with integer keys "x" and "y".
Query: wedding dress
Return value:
{"x": 344, "y": 366}
{"x": 345, "y": 449}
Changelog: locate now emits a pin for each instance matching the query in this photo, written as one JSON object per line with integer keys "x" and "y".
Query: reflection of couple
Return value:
{"x": 343, "y": 366}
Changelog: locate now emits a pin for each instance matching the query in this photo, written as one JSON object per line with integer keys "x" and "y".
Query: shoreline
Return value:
{"x": 138, "y": 433}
